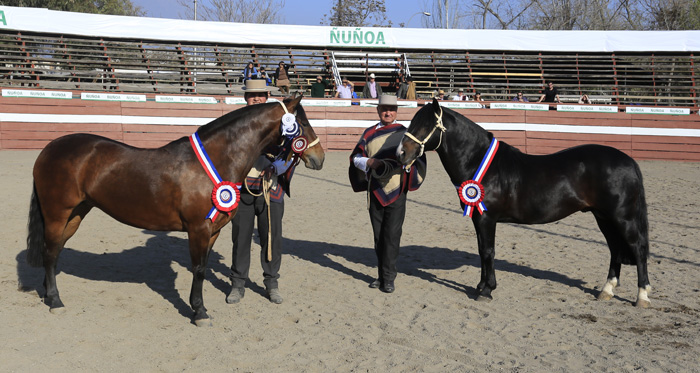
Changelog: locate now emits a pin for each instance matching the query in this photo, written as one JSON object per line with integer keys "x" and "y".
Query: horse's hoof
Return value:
{"x": 642, "y": 303}
{"x": 605, "y": 296}
{"x": 483, "y": 298}
{"x": 203, "y": 323}
{"x": 57, "y": 310}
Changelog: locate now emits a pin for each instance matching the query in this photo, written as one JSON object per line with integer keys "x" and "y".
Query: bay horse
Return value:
{"x": 536, "y": 189}
{"x": 161, "y": 189}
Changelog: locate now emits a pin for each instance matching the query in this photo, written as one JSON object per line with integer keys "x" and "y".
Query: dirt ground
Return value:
{"x": 126, "y": 290}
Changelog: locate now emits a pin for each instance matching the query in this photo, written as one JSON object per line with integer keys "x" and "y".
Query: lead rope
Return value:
{"x": 438, "y": 125}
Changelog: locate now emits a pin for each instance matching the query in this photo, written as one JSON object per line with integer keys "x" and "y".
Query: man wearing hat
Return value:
{"x": 252, "y": 205}
{"x": 372, "y": 88}
{"x": 374, "y": 168}
{"x": 441, "y": 95}
{"x": 460, "y": 95}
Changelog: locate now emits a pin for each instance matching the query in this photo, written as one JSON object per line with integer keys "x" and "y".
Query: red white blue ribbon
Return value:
{"x": 225, "y": 194}
{"x": 299, "y": 144}
{"x": 471, "y": 192}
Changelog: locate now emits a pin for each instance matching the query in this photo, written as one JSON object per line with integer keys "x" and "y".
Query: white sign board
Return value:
{"x": 519, "y": 106}
{"x": 186, "y": 99}
{"x": 37, "y": 94}
{"x": 461, "y": 105}
{"x": 588, "y": 108}
{"x": 657, "y": 110}
{"x": 112, "y": 97}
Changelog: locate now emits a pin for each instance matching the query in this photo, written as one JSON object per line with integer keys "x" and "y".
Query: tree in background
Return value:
{"x": 672, "y": 14}
{"x": 445, "y": 14}
{"x": 564, "y": 14}
{"x": 244, "y": 11}
{"x": 585, "y": 15}
{"x": 113, "y": 7}
{"x": 499, "y": 14}
{"x": 357, "y": 13}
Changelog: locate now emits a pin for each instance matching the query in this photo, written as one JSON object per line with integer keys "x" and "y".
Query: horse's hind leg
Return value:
{"x": 626, "y": 247}
{"x": 615, "y": 242}
{"x": 56, "y": 232}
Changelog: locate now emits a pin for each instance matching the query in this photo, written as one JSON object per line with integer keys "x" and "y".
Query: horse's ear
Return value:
{"x": 292, "y": 104}
{"x": 436, "y": 105}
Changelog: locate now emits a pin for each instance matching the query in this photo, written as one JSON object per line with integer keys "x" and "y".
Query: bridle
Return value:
{"x": 438, "y": 125}
{"x": 313, "y": 143}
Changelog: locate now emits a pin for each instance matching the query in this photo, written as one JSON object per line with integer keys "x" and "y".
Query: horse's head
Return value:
{"x": 420, "y": 135}
{"x": 313, "y": 156}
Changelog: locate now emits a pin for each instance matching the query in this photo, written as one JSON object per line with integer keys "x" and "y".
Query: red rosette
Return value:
{"x": 471, "y": 192}
{"x": 226, "y": 196}
{"x": 299, "y": 144}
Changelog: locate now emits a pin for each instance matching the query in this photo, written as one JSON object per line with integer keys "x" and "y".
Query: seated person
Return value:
{"x": 520, "y": 97}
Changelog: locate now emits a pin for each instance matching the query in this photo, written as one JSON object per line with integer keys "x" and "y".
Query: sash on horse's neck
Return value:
{"x": 225, "y": 195}
{"x": 471, "y": 192}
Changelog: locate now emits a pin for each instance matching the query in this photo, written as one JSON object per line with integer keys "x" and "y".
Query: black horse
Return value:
{"x": 536, "y": 189}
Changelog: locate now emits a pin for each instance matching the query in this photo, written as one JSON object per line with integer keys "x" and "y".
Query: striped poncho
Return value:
{"x": 390, "y": 180}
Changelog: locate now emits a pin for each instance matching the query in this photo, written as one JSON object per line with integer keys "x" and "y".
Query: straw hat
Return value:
{"x": 441, "y": 92}
{"x": 372, "y": 76}
{"x": 256, "y": 85}
{"x": 388, "y": 100}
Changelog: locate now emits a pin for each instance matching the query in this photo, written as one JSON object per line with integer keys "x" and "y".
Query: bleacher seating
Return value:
{"x": 54, "y": 61}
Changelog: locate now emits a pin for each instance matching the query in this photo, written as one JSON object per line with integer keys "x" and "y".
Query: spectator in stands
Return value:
{"x": 263, "y": 75}
{"x": 460, "y": 96}
{"x": 250, "y": 72}
{"x": 477, "y": 96}
{"x": 411, "y": 90}
{"x": 402, "y": 89}
{"x": 441, "y": 95}
{"x": 318, "y": 88}
{"x": 372, "y": 88}
{"x": 282, "y": 78}
{"x": 584, "y": 99}
{"x": 519, "y": 97}
{"x": 551, "y": 94}
{"x": 254, "y": 206}
{"x": 345, "y": 90}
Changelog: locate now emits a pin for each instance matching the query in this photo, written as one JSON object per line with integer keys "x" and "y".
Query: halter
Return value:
{"x": 438, "y": 125}
{"x": 301, "y": 129}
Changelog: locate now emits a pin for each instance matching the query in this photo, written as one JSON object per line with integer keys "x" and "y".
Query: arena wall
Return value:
{"x": 30, "y": 123}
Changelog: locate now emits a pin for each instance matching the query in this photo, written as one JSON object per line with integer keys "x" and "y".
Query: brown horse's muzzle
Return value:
{"x": 313, "y": 157}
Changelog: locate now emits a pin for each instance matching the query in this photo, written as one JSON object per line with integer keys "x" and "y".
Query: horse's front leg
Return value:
{"x": 201, "y": 242}
{"x": 486, "y": 238}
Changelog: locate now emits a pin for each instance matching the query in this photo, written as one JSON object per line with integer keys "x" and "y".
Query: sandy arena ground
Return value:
{"x": 126, "y": 290}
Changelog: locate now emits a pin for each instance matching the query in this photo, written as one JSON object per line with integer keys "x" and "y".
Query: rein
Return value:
{"x": 438, "y": 125}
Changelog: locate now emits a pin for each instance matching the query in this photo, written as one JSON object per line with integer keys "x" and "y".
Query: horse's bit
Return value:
{"x": 438, "y": 125}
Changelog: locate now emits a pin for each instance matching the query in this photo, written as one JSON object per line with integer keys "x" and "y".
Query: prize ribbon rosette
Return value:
{"x": 290, "y": 127}
{"x": 471, "y": 192}
{"x": 225, "y": 194}
{"x": 299, "y": 144}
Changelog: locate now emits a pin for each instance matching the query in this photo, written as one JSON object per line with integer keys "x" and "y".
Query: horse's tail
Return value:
{"x": 35, "y": 232}
{"x": 642, "y": 220}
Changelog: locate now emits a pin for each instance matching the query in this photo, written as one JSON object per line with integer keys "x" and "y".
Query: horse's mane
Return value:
{"x": 510, "y": 158}
{"x": 239, "y": 116}
{"x": 236, "y": 117}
